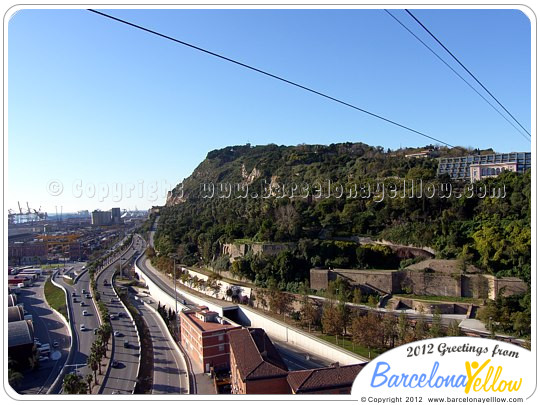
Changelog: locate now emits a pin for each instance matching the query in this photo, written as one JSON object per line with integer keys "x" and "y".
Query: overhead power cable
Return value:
{"x": 467, "y": 70}
{"x": 270, "y": 75}
{"x": 457, "y": 74}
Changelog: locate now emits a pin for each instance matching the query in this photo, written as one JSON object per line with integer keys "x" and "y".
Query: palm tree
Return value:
{"x": 74, "y": 384}
{"x": 14, "y": 378}
{"x": 93, "y": 362}
{"x": 89, "y": 379}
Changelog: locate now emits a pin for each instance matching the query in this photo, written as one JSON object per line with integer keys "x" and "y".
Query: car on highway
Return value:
{"x": 85, "y": 313}
{"x": 117, "y": 333}
{"x": 83, "y": 327}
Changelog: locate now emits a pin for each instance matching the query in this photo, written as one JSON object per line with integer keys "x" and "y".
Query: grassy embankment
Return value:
{"x": 56, "y": 298}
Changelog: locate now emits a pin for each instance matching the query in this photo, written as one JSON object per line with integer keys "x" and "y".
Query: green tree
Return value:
{"x": 74, "y": 384}
{"x": 435, "y": 330}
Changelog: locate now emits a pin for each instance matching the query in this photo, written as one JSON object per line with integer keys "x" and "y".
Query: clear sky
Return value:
{"x": 95, "y": 104}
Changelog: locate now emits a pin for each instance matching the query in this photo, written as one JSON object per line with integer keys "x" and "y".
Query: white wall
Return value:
{"x": 296, "y": 337}
{"x": 274, "y": 329}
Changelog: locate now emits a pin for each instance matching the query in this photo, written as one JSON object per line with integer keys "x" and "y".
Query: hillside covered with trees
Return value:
{"x": 492, "y": 233}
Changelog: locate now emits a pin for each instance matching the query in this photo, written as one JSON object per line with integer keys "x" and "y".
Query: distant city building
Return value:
{"x": 100, "y": 218}
{"x": 28, "y": 252}
{"x": 116, "y": 215}
{"x": 477, "y": 167}
{"x": 203, "y": 334}
{"x": 256, "y": 366}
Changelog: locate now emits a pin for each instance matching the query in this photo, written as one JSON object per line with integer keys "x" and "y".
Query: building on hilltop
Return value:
{"x": 477, "y": 167}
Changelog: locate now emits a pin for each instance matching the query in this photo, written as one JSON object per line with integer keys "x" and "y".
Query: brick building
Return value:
{"x": 30, "y": 252}
{"x": 256, "y": 366}
{"x": 203, "y": 334}
{"x": 328, "y": 380}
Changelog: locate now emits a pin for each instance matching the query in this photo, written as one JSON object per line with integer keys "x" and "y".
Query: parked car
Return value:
{"x": 43, "y": 358}
{"x": 83, "y": 291}
{"x": 88, "y": 296}
{"x": 115, "y": 364}
{"x": 95, "y": 331}
{"x": 83, "y": 327}
{"x": 126, "y": 343}
{"x": 85, "y": 313}
{"x": 82, "y": 304}
{"x": 74, "y": 299}
{"x": 55, "y": 343}
{"x": 117, "y": 333}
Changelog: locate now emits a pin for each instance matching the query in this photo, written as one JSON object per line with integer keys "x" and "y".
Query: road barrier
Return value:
{"x": 191, "y": 377}
{"x": 60, "y": 378}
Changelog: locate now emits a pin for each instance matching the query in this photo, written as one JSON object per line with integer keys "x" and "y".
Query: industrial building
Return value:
{"x": 21, "y": 342}
{"x": 104, "y": 218}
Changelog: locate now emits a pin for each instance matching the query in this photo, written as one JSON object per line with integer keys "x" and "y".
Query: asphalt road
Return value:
{"x": 84, "y": 338}
{"x": 170, "y": 370}
{"x": 292, "y": 356}
{"x": 120, "y": 379}
{"x": 48, "y": 327}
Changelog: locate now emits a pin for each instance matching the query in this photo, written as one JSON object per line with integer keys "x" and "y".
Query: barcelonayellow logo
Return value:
{"x": 457, "y": 366}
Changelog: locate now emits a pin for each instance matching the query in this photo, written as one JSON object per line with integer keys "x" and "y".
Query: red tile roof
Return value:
{"x": 255, "y": 355}
{"x": 304, "y": 381}
{"x": 206, "y": 326}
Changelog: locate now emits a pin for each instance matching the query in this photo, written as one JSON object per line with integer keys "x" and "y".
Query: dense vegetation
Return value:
{"x": 492, "y": 233}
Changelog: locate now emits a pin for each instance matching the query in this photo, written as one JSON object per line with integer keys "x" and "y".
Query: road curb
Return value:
{"x": 69, "y": 325}
{"x": 136, "y": 329}
{"x": 171, "y": 339}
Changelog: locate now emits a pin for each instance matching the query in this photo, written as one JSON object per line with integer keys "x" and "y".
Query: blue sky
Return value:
{"x": 95, "y": 104}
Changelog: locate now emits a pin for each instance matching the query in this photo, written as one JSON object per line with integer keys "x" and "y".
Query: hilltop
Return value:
{"x": 493, "y": 234}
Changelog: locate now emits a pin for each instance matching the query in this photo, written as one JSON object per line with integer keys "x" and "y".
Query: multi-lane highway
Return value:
{"x": 83, "y": 339}
{"x": 170, "y": 369}
{"x": 121, "y": 377}
{"x": 48, "y": 328}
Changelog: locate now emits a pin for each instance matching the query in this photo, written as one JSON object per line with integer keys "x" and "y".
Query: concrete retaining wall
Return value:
{"x": 309, "y": 343}
{"x": 273, "y": 328}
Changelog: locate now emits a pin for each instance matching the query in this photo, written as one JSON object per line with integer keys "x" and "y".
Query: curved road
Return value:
{"x": 122, "y": 378}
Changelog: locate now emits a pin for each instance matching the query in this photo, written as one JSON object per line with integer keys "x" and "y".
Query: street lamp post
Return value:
{"x": 176, "y": 319}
